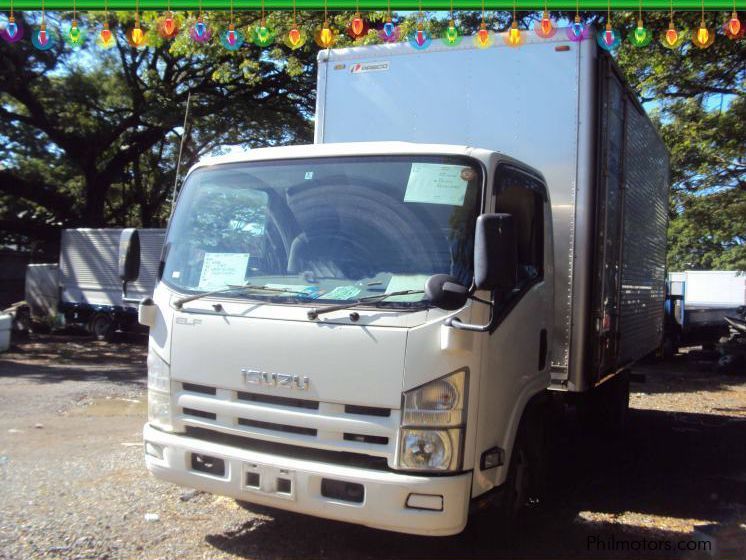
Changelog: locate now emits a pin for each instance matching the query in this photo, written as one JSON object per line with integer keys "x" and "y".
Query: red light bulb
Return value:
{"x": 734, "y": 25}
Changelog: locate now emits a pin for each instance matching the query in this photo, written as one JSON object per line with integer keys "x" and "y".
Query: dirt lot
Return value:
{"x": 74, "y": 484}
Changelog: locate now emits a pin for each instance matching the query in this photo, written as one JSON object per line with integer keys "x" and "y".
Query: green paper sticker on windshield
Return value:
{"x": 341, "y": 292}
{"x": 436, "y": 183}
{"x": 220, "y": 270}
{"x": 400, "y": 282}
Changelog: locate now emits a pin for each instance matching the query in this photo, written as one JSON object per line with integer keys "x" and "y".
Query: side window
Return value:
{"x": 522, "y": 196}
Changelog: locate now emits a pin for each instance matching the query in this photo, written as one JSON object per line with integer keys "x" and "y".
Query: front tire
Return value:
{"x": 101, "y": 326}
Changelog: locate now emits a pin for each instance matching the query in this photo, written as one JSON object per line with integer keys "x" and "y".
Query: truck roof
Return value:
{"x": 352, "y": 149}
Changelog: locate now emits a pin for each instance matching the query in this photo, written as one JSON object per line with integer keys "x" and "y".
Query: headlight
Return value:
{"x": 430, "y": 450}
{"x": 159, "y": 392}
{"x": 439, "y": 404}
{"x": 159, "y": 410}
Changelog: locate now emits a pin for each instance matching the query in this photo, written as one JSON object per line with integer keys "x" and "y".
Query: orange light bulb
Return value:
{"x": 672, "y": 35}
{"x": 357, "y": 25}
{"x": 169, "y": 25}
{"x": 483, "y": 36}
{"x": 734, "y": 25}
{"x": 294, "y": 36}
{"x": 546, "y": 24}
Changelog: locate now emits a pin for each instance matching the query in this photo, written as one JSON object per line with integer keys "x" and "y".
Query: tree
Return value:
{"x": 88, "y": 139}
{"x": 698, "y": 98}
{"x": 91, "y": 138}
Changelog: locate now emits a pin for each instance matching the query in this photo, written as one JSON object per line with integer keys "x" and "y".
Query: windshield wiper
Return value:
{"x": 181, "y": 301}
{"x": 315, "y": 312}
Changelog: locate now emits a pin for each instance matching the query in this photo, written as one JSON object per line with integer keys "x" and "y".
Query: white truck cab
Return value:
{"x": 371, "y": 331}
{"x": 309, "y": 384}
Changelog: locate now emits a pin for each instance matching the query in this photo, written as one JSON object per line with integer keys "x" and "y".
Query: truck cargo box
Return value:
{"x": 88, "y": 266}
{"x": 605, "y": 166}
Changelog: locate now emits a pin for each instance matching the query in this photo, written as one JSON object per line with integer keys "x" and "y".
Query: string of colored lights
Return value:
{"x": 369, "y": 5}
{"x": 169, "y": 24}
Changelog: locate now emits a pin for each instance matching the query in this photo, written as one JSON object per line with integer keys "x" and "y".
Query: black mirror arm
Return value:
{"x": 125, "y": 298}
{"x": 456, "y": 323}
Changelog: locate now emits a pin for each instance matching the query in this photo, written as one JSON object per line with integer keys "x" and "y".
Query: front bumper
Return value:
{"x": 385, "y": 495}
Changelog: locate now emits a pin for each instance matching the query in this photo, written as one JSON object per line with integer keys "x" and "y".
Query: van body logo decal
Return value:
{"x": 362, "y": 67}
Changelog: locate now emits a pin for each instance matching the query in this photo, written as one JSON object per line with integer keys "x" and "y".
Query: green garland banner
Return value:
{"x": 368, "y": 5}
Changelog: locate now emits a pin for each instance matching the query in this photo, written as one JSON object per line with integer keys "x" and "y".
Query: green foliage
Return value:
{"x": 699, "y": 98}
{"x": 91, "y": 137}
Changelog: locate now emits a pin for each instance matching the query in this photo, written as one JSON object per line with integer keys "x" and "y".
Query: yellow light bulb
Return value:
{"x": 702, "y": 34}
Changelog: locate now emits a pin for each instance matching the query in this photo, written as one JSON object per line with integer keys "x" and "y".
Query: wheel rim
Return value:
{"x": 100, "y": 326}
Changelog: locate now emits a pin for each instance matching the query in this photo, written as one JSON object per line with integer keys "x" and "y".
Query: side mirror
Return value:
{"x": 129, "y": 255}
{"x": 445, "y": 292}
{"x": 146, "y": 312}
{"x": 495, "y": 253}
{"x": 129, "y": 260}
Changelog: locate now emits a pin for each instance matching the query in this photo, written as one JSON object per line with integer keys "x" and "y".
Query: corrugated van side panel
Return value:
{"x": 644, "y": 253}
{"x": 89, "y": 268}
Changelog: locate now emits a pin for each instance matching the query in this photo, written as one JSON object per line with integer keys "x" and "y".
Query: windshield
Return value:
{"x": 325, "y": 229}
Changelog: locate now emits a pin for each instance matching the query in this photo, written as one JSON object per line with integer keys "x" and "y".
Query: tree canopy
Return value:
{"x": 90, "y": 138}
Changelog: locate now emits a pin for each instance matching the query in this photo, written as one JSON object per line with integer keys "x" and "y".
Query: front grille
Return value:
{"x": 200, "y": 413}
{"x": 277, "y": 427}
{"x": 282, "y": 401}
{"x": 367, "y": 410}
{"x": 378, "y": 440}
{"x": 291, "y": 419}
{"x": 194, "y": 388}
{"x": 346, "y": 458}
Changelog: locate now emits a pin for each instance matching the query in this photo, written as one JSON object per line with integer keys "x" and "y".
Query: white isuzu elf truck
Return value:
{"x": 370, "y": 328}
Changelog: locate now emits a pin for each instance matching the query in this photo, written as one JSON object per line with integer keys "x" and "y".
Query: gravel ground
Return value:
{"x": 74, "y": 483}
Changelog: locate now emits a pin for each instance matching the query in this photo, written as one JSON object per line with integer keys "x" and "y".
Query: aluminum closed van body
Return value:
{"x": 562, "y": 108}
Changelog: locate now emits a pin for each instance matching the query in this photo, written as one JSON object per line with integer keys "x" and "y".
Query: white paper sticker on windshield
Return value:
{"x": 220, "y": 270}
{"x": 341, "y": 292}
{"x": 436, "y": 183}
